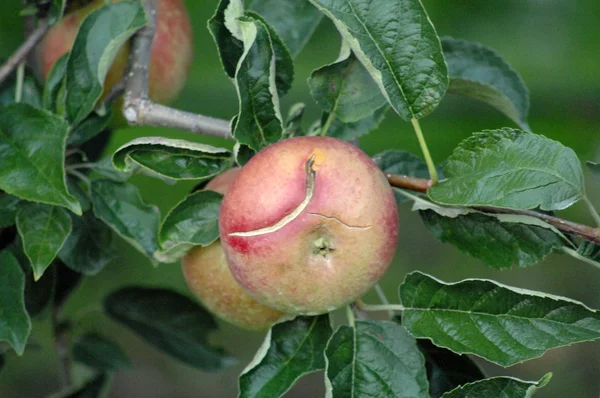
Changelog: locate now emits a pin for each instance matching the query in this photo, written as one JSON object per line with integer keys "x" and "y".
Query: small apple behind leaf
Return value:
{"x": 309, "y": 225}
{"x": 209, "y": 278}
{"x": 171, "y": 49}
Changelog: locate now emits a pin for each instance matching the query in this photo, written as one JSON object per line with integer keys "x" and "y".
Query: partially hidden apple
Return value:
{"x": 309, "y": 225}
{"x": 171, "y": 54}
{"x": 209, "y": 278}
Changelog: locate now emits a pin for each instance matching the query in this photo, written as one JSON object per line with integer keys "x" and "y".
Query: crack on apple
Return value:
{"x": 341, "y": 222}
{"x": 311, "y": 176}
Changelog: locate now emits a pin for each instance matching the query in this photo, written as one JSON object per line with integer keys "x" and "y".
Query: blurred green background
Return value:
{"x": 553, "y": 44}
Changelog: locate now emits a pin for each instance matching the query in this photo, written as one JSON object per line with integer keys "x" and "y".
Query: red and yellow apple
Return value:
{"x": 171, "y": 49}
{"x": 309, "y": 225}
{"x": 209, "y": 278}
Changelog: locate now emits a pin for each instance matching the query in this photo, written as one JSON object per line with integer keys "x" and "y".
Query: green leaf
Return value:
{"x": 447, "y": 370}
{"x": 122, "y": 208}
{"x": 55, "y": 88}
{"x": 284, "y": 66}
{"x": 505, "y": 387}
{"x": 55, "y": 13}
{"x": 258, "y": 123}
{"x": 194, "y": 221}
{"x": 589, "y": 250}
{"x": 394, "y": 161}
{"x": 93, "y": 125}
{"x": 221, "y": 26}
{"x": 98, "y": 40}
{"x": 170, "y": 322}
{"x": 30, "y": 91}
{"x": 294, "y": 20}
{"x": 106, "y": 168}
{"x": 32, "y": 150}
{"x": 293, "y": 123}
{"x": 502, "y": 324}
{"x": 352, "y": 131}
{"x": 512, "y": 169}
{"x": 74, "y": 186}
{"x": 43, "y": 230}
{"x": 242, "y": 154}
{"x": 100, "y": 353}
{"x": 479, "y": 72}
{"x": 177, "y": 159}
{"x": 498, "y": 244}
{"x": 398, "y": 45}
{"x": 9, "y": 205}
{"x": 67, "y": 281}
{"x": 291, "y": 349}
{"x": 345, "y": 89}
{"x": 375, "y": 359}
{"x": 89, "y": 247}
{"x": 15, "y": 324}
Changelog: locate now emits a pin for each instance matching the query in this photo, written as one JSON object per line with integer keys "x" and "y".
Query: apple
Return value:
{"x": 309, "y": 225}
{"x": 171, "y": 50}
{"x": 208, "y": 276}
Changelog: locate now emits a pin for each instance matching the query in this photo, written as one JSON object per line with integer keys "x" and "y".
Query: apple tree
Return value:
{"x": 296, "y": 222}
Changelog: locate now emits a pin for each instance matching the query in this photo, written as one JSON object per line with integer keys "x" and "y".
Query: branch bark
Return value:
{"x": 139, "y": 109}
{"x": 28, "y": 45}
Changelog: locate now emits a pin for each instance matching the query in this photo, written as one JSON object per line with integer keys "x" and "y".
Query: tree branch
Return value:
{"x": 22, "y": 52}
{"x": 139, "y": 110}
{"x": 568, "y": 227}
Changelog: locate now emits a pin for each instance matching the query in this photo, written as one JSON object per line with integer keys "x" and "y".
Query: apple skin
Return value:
{"x": 171, "y": 50}
{"x": 208, "y": 276}
{"x": 334, "y": 250}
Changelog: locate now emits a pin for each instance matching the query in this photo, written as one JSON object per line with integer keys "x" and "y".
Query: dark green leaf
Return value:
{"x": 398, "y": 45}
{"x": 284, "y": 66}
{"x": 479, "y": 72}
{"x": 95, "y": 388}
{"x": 294, "y": 20}
{"x": 403, "y": 163}
{"x": 93, "y": 125}
{"x": 98, "y": 40}
{"x": 55, "y": 13}
{"x": 89, "y": 247}
{"x": 121, "y": 207}
{"x": 79, "y": 192}
{"x": 194, "y": 221}
{"x": 177, "y": 159}
{"x": 31, "y": 92}
{"x": 258, "y": 123}
{"x": 106, "y": 168}
{"x": 170, "y": 322}
{"x": 352, "y": 131}
{"x": 100, "y": 353}
{"x": 345, "y": 89}
{"x": 505, "y": 387}
{"x": 498, "y": 244}
{"x": 15, "y": 324}
{"x": 55, "y": 87}
{"x": 67, "y": 281}
{"x": 589, "y": 250}
{"x": 242, "y": 154}
{"x": 502, "y": 324}
{"x": 32, "y": 150}
{"x": 43, "y": 230}
{"x": 221, "y": 26}
{"x": 38, "y": 294}
{"x": 375, "y": 359}
{"x": 290, "y": 350}
{"x": 511, "y": 169}
{"x": 447, "y": 370}
{"x": 9, "y": 205}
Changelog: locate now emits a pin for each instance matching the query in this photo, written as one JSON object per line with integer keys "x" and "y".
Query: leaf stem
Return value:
{"x": 574, "y": 254}
{"x": 382, "y": 298}
{"x": 19, "y": 85}
{"x": 430, "y": 165}
{"x": 592, "y": 210}
{"x": 327, "y": 125}
{"x": 385, "y": 307}
{"x": 81, "y": 176}
{"x": 350, "y": 316}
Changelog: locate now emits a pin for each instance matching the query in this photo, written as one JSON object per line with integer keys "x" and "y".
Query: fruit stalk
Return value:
{"x": 28, "y": 45}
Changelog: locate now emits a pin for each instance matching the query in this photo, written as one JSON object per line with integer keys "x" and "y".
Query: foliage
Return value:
{"x": 61, "y": 213}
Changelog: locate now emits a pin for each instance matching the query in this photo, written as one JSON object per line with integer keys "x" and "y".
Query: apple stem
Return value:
{"x": 350, "y": 315}
{"x": 430, "y": 165}
{"x": 375, "y": 308}
{"x": 592, "y": 210}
